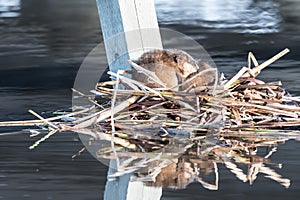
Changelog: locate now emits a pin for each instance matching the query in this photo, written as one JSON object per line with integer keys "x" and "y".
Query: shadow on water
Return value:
{"x": 42, "y": 45}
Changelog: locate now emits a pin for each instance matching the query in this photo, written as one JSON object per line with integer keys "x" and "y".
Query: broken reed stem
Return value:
{"x": 229, "y": 83}
{"x": 106, "y": 114}
{"x": 43, "y": 119}
{"x": 21, "y": 123}
{"x": 139, "y": 84}
{"x": 112, "y": 121}
{"x": 234, "y": 103}
{"x": 89, "y": 98}
{"x": 256, "y": 70}
{"x": 247, "y": 72}
{"x": 148, "y": 73}
{"x": 43, "y": 139}
{"x": 252, "y": 58}
{"x": 214, "y": 91}
{"x": 39, "y": 122}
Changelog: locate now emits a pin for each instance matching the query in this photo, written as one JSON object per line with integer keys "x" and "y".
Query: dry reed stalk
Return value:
{"x": 52, "y": 132}
{"x": 125, "y": 104}
{"x": 41, "y": 122}
{"x": 148, "y": 73}
{"x": 44, "y": 120}
{"x": 257, "y": 69}
{"x": 92, "y": 100}
{"x": 247, "y": 72}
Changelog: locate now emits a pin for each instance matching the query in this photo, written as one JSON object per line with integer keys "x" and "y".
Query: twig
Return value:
{"x": 43, "y": 119}
{"x": 229, "y": 83}
{"x": 148, "y": 73}
{"x": 43, "y": 139}
{"x": 256, "y": 70}
{"x": 112, "y": 122}
{"x": 106, "y": 114}
{"x": 89, "y": 98}
{"x": 125, "y": 79}
{"x": 39, "y": 122}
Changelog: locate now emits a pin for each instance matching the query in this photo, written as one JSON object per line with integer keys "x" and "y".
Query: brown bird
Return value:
{"x": 168, "y": 65}
{"x": 171, "y": 66}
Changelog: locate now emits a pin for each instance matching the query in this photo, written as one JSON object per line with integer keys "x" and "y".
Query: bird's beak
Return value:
{"x": 188, "y": 69}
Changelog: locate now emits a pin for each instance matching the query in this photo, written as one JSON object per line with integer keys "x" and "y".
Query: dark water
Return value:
{"x": 42, "y": 44}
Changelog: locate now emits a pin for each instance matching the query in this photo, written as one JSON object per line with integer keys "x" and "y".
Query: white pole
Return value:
{"x": 129, "y": 28}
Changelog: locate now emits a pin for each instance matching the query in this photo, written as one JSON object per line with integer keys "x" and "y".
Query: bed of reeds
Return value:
{"x": 208, "y": 124}
{"x": 138, "y": 113}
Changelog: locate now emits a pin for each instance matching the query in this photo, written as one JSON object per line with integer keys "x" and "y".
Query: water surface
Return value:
{"x": 42, "y": 45}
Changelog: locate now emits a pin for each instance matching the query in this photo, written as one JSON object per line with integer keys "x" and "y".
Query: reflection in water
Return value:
{"x": 183, "y": 162}
{"x": 10, "y": 8}
{"x": 247, "y": 16}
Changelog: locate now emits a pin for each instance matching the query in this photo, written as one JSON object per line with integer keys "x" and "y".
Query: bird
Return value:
{"x": 168, "y": 65}
{"x": 172, "y": 67}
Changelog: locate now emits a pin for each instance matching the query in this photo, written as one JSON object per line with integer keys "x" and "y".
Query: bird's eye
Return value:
{"x": 176, "y": 59}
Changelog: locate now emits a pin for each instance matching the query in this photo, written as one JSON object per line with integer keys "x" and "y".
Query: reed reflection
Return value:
{"x": 246, "y": 155}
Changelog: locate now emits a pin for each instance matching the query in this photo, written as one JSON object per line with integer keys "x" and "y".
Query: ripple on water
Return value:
{"x": 10, "y": 8}
{"x": 249, "y": 16}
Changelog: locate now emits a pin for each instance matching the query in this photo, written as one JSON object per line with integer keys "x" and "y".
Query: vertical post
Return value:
{"x": 129, "y": 28}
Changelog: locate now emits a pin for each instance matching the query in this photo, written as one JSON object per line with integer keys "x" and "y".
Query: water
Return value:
{"x": 42, "y": 45}
{"x": 227, "y": 16}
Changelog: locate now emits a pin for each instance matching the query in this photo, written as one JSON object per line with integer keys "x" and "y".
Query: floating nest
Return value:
{"x": 195, "y": 128}
{"x": 145, "y": 118}
{"x": 148, "y": 118}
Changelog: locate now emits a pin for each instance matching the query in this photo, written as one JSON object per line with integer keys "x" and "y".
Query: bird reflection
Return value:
{"x": 181, "y": 163}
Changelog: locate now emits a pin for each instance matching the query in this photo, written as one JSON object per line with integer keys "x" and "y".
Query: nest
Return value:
{"x": 149, "y": 117}
{"x": 202, "y": 125}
